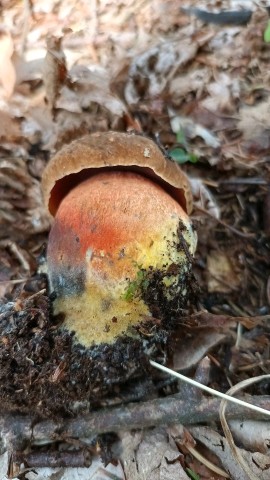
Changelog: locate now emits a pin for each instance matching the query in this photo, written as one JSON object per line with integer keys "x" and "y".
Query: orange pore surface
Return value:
{"x": 109, "y": 212}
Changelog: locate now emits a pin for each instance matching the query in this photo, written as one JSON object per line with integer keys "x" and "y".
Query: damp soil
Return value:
{"x": 44, "y": 371}
{"x": 168, "y": 291}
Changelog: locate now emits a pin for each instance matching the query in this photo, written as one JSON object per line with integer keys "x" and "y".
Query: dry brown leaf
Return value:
{"x": 130, "y": 442}
{"x": 189, "y": 353}
{"x": 217, "y": 444}
{"x": 88, "y": 87}
{"x": 224, "y": 93}
{"x": 254, "y": 123}
{"x": 222, "y": 274}
{"x": 27, "y": 70}
{"x": 192, "y": 81}
{"x": 151, "y": 455}
{"x": 222, "y": 323}
{"x": 21, "y": 208}
{"x": 151, "y": 71}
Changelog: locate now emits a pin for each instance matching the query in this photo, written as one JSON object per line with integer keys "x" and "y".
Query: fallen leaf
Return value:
{"x": 192, "y": 81}
{"x": 187, "y": 354}
{"x": 151, "y": 454}
{"x": 4, "y": 460}
{"x": 222, "y": 274}
{"x": 224, "y": 92}
{"x": 254, "y": 435}
{"x": 217, "y": 444}
{"x": 150, "y": 72}
{"x": 254, "y": 123}
{"x": 88, "y": 87}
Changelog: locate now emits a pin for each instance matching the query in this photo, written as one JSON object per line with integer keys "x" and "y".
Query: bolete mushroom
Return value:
{"x": 121, "y": 245}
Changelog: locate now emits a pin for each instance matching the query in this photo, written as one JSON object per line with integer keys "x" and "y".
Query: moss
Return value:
{"x": 136, "y": 286}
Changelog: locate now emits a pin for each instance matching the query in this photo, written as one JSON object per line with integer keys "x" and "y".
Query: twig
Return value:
{"x": 243, "y": 181}
{"x": 224, "y": 396}
{"x": 18, "y": 430}
{"x": 14, "y": 282}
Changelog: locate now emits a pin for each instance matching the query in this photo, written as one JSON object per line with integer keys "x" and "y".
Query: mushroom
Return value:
{"x": 121, "y": 244}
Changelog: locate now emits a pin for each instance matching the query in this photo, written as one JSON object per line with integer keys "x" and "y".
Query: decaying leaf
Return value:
{"x": 224, "y": 92}
{"x": 151, "y": 455}
{"x": 189, "y": 353}
{"x": 251, "y": 434}
{"x": 255, "y": 124}
{"x": 20, "y": 193}
{"x": 222, "y": 274}
{"x": 191, "y": 81}
{"x": 258, "y": 462}
{"x": 89, "y": 87}
{"x": 150, "y": 72}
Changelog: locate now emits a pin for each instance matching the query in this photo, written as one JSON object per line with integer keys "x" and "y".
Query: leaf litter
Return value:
{"x": 70, "y": 70}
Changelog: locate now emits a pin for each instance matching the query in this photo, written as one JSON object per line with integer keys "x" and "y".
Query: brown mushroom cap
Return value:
{"x": 84, "y": 157}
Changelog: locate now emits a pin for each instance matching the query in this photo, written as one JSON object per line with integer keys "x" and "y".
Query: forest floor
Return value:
{"x": 200, "y": 86}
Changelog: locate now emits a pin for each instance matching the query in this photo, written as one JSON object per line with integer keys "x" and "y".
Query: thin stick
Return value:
{"x": 206, "y": 462}
{"x": 224, "y": 396}
{"x": 14, "y": 282}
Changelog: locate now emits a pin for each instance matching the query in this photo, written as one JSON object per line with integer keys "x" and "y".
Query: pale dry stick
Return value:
{"x": 260, "y": 363}
{"x": 216, "y": 393}
{"x": 239, "y": 335}
{"x": 236, "y": 453}
{"x": 37, "y": 294}
{"x": 239, "y": 311}
{"x": 225, "y": 397}
{"x": 206, "y": 462}
{"x": 14, "y": 282}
